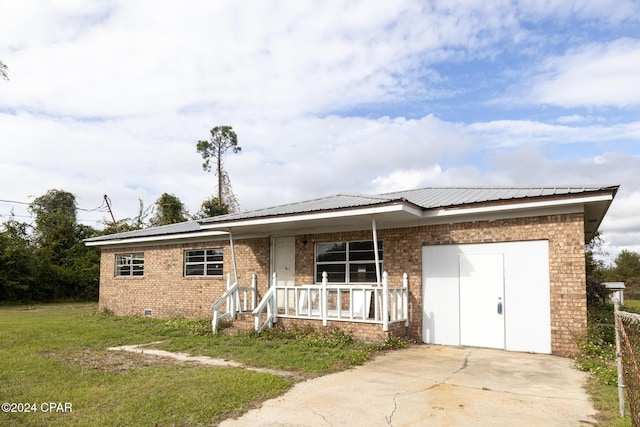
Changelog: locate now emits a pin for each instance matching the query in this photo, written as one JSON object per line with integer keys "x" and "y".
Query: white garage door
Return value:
{"x": 488, "y": 295}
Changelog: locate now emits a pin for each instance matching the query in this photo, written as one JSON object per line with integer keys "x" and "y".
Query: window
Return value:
{"x": 203, "y": 262}
{"x": 130, "y": 264}
{"x": 347, "y": 262}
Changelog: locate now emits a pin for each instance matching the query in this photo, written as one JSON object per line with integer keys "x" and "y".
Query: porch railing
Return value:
{"x": 268, "y": 304}
{"x": 235, "y": 299}
{"x": 338, "y": 302}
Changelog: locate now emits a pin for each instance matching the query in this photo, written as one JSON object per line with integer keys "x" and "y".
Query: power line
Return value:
{"x": 101, "y": 208}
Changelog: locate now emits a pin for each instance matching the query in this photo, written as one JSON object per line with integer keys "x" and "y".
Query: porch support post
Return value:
{"x": 233, "y": 257}
{"x": 405, "y": 298}
{"x": 375, "y": 250}
{"x": 323, "y": 298}
{"x": 385, "y": 301}
{"x": 231, "y": 300}
{"x": 274, "y": 299}
{"x": 254, "y": 291}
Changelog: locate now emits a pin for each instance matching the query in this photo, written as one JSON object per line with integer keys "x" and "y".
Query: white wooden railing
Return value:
{"x": 267, "y": 303}
{"x": 234, "y": 300}
{"x": 341, "y": 302}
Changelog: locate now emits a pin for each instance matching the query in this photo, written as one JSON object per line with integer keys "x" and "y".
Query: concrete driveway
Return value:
{"x": 436, "y": 386}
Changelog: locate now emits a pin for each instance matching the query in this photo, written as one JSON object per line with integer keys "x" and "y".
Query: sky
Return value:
{"x": 110, "y": 97}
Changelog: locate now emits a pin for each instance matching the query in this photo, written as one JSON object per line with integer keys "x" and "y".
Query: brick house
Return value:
{"x": 487, "y": 267}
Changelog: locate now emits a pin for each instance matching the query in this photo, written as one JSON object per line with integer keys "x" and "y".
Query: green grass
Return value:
{"x": 304, "y": 352}
{"x": 57, "y": 353}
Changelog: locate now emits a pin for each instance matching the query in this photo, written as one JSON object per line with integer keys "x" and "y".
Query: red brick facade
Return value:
{"x": 167, "y": 292}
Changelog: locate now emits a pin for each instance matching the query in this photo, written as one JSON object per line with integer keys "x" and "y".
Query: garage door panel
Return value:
{"x": 527, "y": 272}
{"x": 448, "y": 299}
{"x": 440, "y": 298}
{"x": 481, "y": 289}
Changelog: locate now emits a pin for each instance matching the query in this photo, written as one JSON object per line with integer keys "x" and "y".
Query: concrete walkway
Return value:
{"x": 202, "y": 360}
{"x": 436, "y": 386}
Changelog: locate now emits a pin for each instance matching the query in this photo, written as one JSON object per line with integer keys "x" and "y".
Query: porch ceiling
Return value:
{"x": 391, "y": 216}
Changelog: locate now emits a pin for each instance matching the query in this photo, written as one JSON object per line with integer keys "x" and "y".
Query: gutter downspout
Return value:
{"x": 233, "y": 256}
{"x": 375, "y": 253}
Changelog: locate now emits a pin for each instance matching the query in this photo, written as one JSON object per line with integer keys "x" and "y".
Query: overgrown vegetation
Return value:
{"x": 304, "y": 351}
{"x": 58, "y": 353}
{"x": 598, "y": 356}
{"x": 48, "y": 261}
{"x": 597, "y": 346}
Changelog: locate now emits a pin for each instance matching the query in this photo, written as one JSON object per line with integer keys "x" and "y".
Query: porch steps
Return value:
{"x": 244, "y": 322}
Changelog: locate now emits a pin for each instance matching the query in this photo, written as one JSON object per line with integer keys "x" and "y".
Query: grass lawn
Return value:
{"x": 57, "y": 353}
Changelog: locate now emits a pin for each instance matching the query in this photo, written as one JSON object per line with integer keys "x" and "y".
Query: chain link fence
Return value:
{"x": 628, "y": 327}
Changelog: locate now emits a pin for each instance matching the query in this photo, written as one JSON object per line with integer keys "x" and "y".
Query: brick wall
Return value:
{"x": 166, "y": 291}
{"x": 403, "y": 253}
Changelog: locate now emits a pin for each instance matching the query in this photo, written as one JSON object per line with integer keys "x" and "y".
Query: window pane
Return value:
{"x": 336, "y": 272}
{"x": 130, "y": 264}
{"x": 194, "y": 256}
{"x": 362, "y": 273}
{"x": 204, "y": 262}
{"x": 361, "y": 246}
{"x": 214, "y": 269}
{"x": 335, "y": 251}
{"x": 214, "y": 256}
{"x": 194, "y": 270}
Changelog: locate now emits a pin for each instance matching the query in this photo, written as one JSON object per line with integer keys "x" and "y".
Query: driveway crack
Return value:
{"x": 465, "y": 364}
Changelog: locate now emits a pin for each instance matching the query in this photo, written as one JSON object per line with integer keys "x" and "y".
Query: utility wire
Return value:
{"x": 101, "y": 208}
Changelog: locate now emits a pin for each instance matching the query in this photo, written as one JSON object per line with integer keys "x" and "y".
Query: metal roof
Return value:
{"x": 423, "y": 198}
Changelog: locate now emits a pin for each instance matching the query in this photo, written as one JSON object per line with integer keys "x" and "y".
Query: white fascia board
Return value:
{"x": 441, "y": 213}
{"x": 159, "y": 239}
{"x": 348, "y": 213}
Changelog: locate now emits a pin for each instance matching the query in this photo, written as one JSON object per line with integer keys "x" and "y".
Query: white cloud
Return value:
{"x": 598, "y": 74}
{"x": 403, "y": 179}
{"x": 110, "y": 98}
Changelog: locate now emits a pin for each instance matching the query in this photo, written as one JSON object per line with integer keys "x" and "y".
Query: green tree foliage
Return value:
{"x": 594, "y": 254}
{"x": 17, "y": 267}
{"x": 212, "y": 207}
{"x": 51, "y": 262}
{"x": 169, "y": 209}
{"x": 627, "y": 265}
{"x": 222, "y": 139}
{"x": 56, "y": 217}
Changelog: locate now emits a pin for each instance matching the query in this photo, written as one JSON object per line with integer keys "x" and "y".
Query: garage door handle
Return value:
{"x": 499, "y": 305}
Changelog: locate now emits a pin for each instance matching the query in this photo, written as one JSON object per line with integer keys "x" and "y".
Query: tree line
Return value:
{"x": 48, "y": 261}
{"x": 624, "y": 268}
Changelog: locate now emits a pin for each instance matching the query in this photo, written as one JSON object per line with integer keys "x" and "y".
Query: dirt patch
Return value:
{"x": 52, "y": 307}
{"x": 105, "y": 360}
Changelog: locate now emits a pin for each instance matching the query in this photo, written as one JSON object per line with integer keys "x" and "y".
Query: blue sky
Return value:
{"x": 110, "y": 97}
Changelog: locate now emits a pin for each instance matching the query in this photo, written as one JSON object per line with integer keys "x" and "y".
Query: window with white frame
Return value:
{"x": 348, "y": 262}
{"x": 204, "y": 262}
{"x": 130, "y": 264}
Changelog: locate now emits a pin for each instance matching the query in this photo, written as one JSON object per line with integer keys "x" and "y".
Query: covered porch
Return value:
{"x": 365, "y": 308}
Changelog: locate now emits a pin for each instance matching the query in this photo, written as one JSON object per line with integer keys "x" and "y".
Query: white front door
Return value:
{"x": 284, "y": 260}
{"x": 481, "y": 300}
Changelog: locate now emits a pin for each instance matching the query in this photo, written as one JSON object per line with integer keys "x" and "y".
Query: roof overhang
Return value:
{"x": 394, "y": 214}
{"x": 160, "y": 239}
{"x": 404, "y": 214}
{"x": 387, "y": 216}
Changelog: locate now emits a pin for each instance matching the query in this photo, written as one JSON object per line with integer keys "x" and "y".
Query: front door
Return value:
{"x": 284, "y": 260}
{"x": 481, "y": 300}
